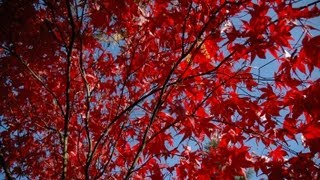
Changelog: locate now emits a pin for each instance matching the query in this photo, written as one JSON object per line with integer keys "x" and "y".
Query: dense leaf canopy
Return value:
{"x": 114, "y": 89}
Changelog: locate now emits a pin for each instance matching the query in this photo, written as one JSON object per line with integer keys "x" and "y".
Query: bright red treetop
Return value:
{"x": 113, "y": 89}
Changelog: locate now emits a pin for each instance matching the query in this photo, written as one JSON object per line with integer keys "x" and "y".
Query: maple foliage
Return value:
{"x": 110, "y": 89}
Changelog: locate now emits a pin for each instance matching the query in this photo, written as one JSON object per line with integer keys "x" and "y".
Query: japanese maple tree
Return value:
{"x": 121, "y": 89}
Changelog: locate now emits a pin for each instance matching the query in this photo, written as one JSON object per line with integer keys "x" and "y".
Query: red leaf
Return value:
{"x": 311, "y": 131}
{"x": 278, "y": 154}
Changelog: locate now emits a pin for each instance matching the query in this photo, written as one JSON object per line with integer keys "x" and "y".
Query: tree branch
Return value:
{"x": 67, "y": 92}
{"x": 37, "y": 77}
{"x": 164, "y": 87}
{"x": 5, "y": 167}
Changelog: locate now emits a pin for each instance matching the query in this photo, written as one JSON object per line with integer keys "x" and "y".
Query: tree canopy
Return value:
{"x": 121, "y": 89}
